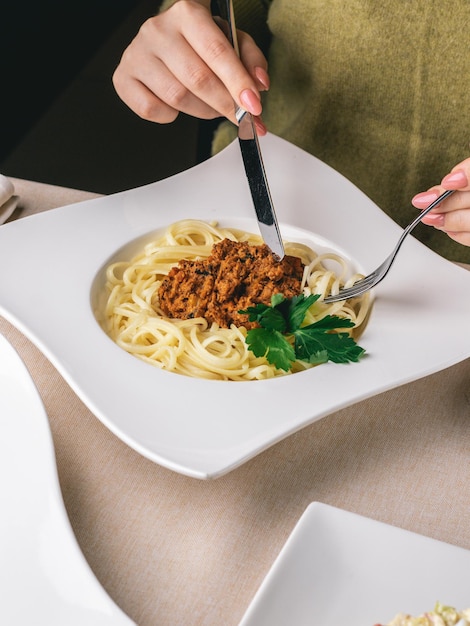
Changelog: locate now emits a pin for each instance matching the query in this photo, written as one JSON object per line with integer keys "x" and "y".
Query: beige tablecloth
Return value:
{"x": 172, "y": 550}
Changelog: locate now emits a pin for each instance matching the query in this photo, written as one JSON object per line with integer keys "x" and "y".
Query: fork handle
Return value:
{"x": 424, "y": 212}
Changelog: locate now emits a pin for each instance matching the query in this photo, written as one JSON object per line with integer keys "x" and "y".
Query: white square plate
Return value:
{"x": 51, "y": 267}
{"x": 340, "y": 568}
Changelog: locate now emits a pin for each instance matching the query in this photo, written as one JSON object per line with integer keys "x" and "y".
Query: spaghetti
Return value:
{"x": 193, "y": 347}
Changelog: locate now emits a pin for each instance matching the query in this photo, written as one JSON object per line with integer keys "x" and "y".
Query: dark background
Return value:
{"x": 61, "y": 121}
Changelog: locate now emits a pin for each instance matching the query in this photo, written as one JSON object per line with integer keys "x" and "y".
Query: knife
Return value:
{"x": 252, "y": 159}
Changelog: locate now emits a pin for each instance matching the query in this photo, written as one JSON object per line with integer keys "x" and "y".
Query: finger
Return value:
{"x": 254, "y": 61}
{"x": 462, "y": 238}
{"x": 457, "y": 221}
{"x": 425, "y": 198}
{"x": 261, "y": 129}
{"x": 152, "y": 108}
{"x": 143, "y": 101}
{"x": 198, "y": 79}
{"x": 446, "y": 222}
{"x": 250, "y": 55}
{"x": 459, "y": 177}
{"x": 212, "y": 46}
{"x": 459, "y": 200}
{"x": 146, "y": 85}
{"x": 169, "y": 86}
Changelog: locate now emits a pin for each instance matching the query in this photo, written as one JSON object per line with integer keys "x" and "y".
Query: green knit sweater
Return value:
{"x": 378, "y": 90}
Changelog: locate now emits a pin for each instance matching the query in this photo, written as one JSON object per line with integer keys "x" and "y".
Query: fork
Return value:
{"x": 372, "y": 279}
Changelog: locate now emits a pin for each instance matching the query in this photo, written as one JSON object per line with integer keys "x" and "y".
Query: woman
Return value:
{"x": 376, "y": 90}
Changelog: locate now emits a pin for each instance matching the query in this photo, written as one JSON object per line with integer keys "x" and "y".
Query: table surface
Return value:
{"x": 173, "y": 550}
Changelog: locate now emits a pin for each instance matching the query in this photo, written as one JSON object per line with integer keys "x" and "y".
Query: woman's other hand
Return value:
{"x": 453, "y": 215}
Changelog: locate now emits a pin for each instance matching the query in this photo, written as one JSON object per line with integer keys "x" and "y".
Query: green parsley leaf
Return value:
{"x": 268, "y": 316}
{"x": 272, "y": 345}
{"x": 282, "y": 339}
{"x": 331, "y": 322}
{"x": 298, "y": 308}
{"x": 312, "y": 343}
{"x": 277, "y": 299}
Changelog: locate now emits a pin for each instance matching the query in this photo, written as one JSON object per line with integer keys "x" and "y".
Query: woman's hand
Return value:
{"x": 453, "y": 214}
{"x": 181, "y": 61}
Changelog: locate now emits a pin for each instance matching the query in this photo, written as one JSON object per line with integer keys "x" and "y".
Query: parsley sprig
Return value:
{"x": 282, "y": 339}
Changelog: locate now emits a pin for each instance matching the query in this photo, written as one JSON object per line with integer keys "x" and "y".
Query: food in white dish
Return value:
{"x": 441, "y": 615}
{"x": 134, "y": 319}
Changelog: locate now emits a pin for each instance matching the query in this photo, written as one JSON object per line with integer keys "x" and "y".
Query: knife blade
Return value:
{"x": 258, "y": 183}
{"x": 252, "y": 159}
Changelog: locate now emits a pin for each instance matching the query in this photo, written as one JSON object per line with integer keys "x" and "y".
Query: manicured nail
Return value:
{"x": 455, "y": 180}
{"x": 250, "y": 101}
{"x": 434, "y": 219}
{"x": 260, "y": 127}
{"x": 424, "y": 199}
{"x": 263, "y": 78}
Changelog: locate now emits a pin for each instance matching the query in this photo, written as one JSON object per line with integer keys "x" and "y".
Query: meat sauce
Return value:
{"x": 235, "y": 276}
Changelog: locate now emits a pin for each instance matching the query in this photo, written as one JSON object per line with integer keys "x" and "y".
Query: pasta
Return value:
{"x": 192, "y": 347}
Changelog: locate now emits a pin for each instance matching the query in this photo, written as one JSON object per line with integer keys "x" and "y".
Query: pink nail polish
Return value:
{"x": 250, "y": 101}
{"x": 455, "y": 180}
{"x": 262, "y": 77}
{"x": 260, "y": 127}
{"x": 434, "y": 219}
{"x": 424, "y": 199}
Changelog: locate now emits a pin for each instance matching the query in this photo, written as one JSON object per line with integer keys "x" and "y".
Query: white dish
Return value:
{"x": 44, "y": 577}
{"x": 340, "y": 568}
{"x": 49, "y": 263}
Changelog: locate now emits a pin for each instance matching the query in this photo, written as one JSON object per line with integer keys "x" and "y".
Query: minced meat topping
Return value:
{"x": 235, "y": 276}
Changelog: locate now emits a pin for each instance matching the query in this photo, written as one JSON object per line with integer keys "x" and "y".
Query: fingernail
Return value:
{"x": 263, "y": 78}
{"x": 455, "y": 180}
{"x": 260, "y": 127}
{"x": 424, "y": 199}
{"x": 250, "y": 101}
{"x": 434, "y": 219}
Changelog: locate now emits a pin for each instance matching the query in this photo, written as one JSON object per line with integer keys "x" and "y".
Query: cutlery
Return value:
{"x": 372, "y": 279}
{"x": 252, "y": 159}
